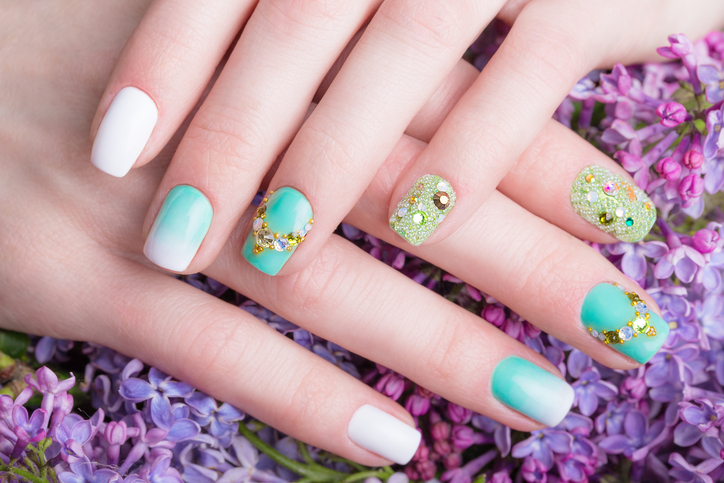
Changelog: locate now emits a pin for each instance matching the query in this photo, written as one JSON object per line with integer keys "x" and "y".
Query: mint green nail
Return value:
{"x": 535, "y": 392}
{"x": 280, "y": 225}
{"x": 622, "y": 320}
{"x": 179, "y": 228}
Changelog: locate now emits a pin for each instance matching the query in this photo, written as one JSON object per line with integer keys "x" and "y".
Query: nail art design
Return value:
{"x": 423, "y": 208}
{"x": 384, "y": 434}
{"x": 531, "y": 390}
{"x": 611, "y": 203}
{"x": 622, "y": 320}
{"x": 179, "y": 228}
{"x": 282, "y": 222}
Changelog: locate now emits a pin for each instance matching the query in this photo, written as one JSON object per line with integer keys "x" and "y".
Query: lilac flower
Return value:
{"x": 682, "y": 260}
{"x": 542, "y": 444}
{"x": 680, "y": 46}
{"x": 46, "y": 383}
{"x": 685, "y": 472}
{"x": 611, "y": 421}
{"x": 672, "y": 114}
{"x": 418, "y": 403}
{"x": 714, "y": 141}
{"x": 160, "y": 472}
{"x": 220, "y": 420}
{"x": 73, "y": 439}
{"x": 713, "y": 78}
{"x": 26, "y": 430}
{"x": 500, "y": 432}
{"x": 693, "y": 159}
{"x": 158, "y": 389}
{"x": 534, "y": 471}
{"x": 668, "y": 169}
{"x": 691, "y": 187}
{"x": 671, "y": 364}
{"x": 633, "y": 262}
{"x": 705, "y": 240}
{"x": 48, "y": 347}
{"x": 588, "y": 388}
{"x": 83, "y": 471}
{"x": 459, "y": 414}
{"x": 710, "y": 313}
{"x": 465, "y": 473}
{"x": 637, "y": 439}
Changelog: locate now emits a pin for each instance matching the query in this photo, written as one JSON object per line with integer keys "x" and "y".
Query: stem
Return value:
{"x": 21, "y": 472}
{"x": 381, "y": 474}
{"x": 304, "y": 452}
{"x": 312, "y": 472}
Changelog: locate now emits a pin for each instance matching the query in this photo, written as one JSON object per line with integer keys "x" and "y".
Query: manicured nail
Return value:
{"x": 179, "y": 228}
{"x": 535, "y": 392}
{"x": 620, "y": 319}
{"x": 423, "y": 208}
{"x": 383, "y": 434}
{"x": 613, "y": 204}
{"x": 124, "y": 131}
{"x": 280, "y": 225}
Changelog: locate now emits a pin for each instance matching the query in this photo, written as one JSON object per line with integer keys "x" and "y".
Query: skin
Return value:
{"x": 71, "y": 264}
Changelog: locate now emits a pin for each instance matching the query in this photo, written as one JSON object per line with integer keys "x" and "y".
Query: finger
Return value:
{"x": 160, "y": 76}
{"x": 206, "y": 342}
{"x": 404, "y": 54}
{"x": 248, "y": 118}
{"x": 349, "y": 298}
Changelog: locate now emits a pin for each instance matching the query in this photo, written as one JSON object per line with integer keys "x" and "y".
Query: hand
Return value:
{"x": 274, "y": 69}
{"x": 68, "y": 234}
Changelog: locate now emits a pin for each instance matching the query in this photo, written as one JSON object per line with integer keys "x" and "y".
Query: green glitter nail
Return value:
{"x": 423, "y": 208}
{"x": 613, "y": 204}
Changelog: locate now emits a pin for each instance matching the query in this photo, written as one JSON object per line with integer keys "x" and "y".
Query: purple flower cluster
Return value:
{"x": 662, "y": 422}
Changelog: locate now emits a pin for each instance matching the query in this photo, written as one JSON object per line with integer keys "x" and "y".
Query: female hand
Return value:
{"x": 274, "y": 69}
{"x": 68, "y": 233}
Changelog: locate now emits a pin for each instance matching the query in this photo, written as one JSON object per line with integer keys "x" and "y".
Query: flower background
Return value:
{"x": 662, "y": 422}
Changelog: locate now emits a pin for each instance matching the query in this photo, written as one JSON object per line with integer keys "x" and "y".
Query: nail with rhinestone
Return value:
{"x": 281, "y": 223}
{"x": 423, "y": 208}
{"x": 613, "y": 204}
{"x": 622, "y": 321}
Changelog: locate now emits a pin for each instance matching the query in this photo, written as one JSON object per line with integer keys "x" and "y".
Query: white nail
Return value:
{"x": 384, "y": 434}
{"x": 124, "y": 131}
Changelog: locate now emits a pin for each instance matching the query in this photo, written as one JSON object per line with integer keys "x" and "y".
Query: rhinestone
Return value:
{"x": 441, "y": 200}
{"x": 629, "y": 222}
{"x": 265, "y": 238}
{"x": 612, "y": 337}
{"x": 610, "y": 188}
{"x": 258, "y": 222}
{"x": 651, "y": 332}
{"x": 261, "y": 210}
{"x": 590, "y": 178}
{"x": 294, "y": 240}
{"x": 419, "y": 218}
{"x": 420, "y": 186}
{"x": 440, "y": 217}
{"x": 594, "y": 333}
{"x": 620, "y": 212}
{"x": 443, "y": 186}
{"x": 601, "y": 337}
{"x": 592, "y": 196}
{"x": 625, "y": 333}
{"x": 281, "y": 244}
{"x": 413, "y": 199}
{"x": 605, "y": 218}
{"x": 302, "y": 232}
{"x": 402, "y": 211}
{"x": 308, "y": 227}
{"x": 642, "y": 308}
{"x": 640, "y": 324}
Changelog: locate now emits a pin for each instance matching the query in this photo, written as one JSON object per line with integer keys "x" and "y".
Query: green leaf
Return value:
{"x": 14, "y": 344}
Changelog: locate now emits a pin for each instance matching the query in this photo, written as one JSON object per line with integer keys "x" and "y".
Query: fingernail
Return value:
{"x": 423, "y": 208}
{"x": 383, "y": 434}
{"x": 620, "y": 319}
{"x": 124, "y": 131}
{"x": 535, "y": 392}
{"x": 280, "y": 225}
{"x": 613, "y": 204}
{"x": 179, "y": 228}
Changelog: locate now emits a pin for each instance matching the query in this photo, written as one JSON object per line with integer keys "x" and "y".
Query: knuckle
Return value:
{"x": 310, "y": 401}
{"x": 290, "y": 15}
{"x": 226, "y": 138}
{"x": 454, "y": 350}
{"x": 544, "y": 269}
{"x": 429, "y": 23}
{"x": 336, "y": 146}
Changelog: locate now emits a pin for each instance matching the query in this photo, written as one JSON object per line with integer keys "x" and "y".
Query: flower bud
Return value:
{"x": 672, "y": 114}
{"x": 693, "y": 159}
{"x": 705, "y": 240}
{"x": 459, "y": 414}
{"x": 440, "y": 431}
{"x": 692, "y": 186}
{"x": 452, "y": 460}
{"x": 668, "y": 169}
{"x": 494, "y": 314}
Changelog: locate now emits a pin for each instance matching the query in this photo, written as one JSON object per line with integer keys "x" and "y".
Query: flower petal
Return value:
{"x": 137, "y": 390}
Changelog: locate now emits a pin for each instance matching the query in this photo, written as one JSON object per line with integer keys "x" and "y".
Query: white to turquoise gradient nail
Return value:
{"x": 383, "y": 434}
{"x": 179, "y": 228}
{"x": 531, "y": 390}
{"x": 124, "y": 131}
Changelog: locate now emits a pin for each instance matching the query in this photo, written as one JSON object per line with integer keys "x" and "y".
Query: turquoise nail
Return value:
{"x": 535, "y": 392}
{"x": 622, "y": 320}
{"x": 280, "y": 225}
{"x": 179, "y": 228}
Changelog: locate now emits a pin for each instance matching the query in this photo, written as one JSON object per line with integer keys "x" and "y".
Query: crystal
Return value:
{"x": 594, "y": 333}
{"x": 294, "y": 240}
{"x": 640, "y": 324}
{"x": 440, "y": 217}
{"x": 261, "y": 210}
{"x": 651, "y": 332}
{"x": 629, "y": 222}
{"x": 402, "y": 211}
{"x": 625, "y": 333}
{"x": 590, "y": 178}
{"x": 620, "y": 212}
{"x": 258, "y": 222}
{"x": 612, "y": 337}
{"x": 265, "y": 238}
{"x": 592, "y": 196}
{"x": 413, "y": 199}
{"x": 605, "y": 218}
{"x": 641, "y": 308}
{"x": 281, "y": 244}
{"x": 443, "y": 186}
{"x": 302, "y": 232}
{"x": 610, "y": 188}
{"x": 601, "y": 337}
{"x": 308, "y": 227}
{"x": 420, "y": 186}
{"x": 419, "y": 218}
{"x": 441, "y": 200}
